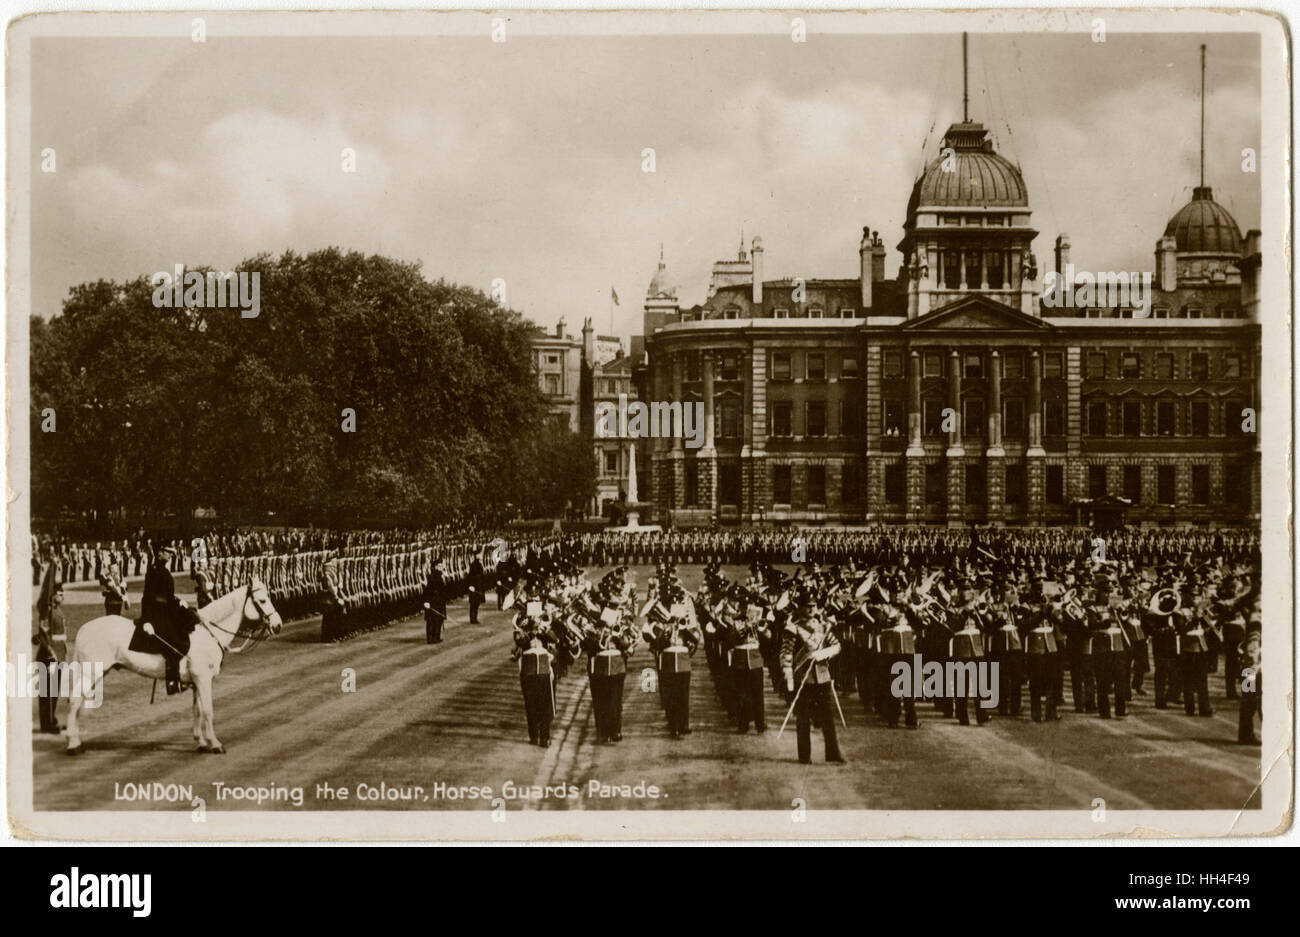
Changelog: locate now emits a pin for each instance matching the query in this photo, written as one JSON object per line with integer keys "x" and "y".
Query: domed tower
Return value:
{"x": 661, "y": 305}
{"x": 1202, "y": 244}
{"x": 967, "y": 229}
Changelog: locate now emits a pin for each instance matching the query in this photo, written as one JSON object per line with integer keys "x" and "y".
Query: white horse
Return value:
{"x": 247, "y": 612}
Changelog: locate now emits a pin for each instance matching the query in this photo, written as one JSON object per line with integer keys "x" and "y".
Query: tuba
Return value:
{"x": 1164, "y": 602}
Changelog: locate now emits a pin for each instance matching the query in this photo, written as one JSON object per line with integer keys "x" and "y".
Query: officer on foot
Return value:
{"x": 806, "y": 649}
{"x": 435, "y": 603}
{"x": 475, "y": 589}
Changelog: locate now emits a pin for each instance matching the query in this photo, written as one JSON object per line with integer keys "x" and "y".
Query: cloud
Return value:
{"x": 523, "y": 160}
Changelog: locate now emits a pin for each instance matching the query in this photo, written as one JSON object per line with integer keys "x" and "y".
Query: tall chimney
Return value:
{"x": 877, "y": 258}
{"x": 1062, "y": 252}
{"x": 756, "y": 254}
{"x": 588, "y": 341}
{"x": 864, "y": 269}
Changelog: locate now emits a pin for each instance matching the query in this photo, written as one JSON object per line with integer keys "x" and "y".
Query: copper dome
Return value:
{"x": 977, "y": 177}
{"x": 1203, "y": 226}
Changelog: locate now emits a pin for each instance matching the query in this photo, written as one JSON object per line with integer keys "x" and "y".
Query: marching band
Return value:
{"x": 821, "y": 631}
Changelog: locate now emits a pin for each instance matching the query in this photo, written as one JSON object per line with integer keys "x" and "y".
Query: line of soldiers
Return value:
{"x": 84, "y": 562}
{"x": 362, "y": 592}
{"x": 930, "y": 546}
{"x": 561, "y": 617}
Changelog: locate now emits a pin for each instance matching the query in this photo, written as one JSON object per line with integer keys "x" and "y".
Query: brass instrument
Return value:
{"x": 1070, "y": 605}
{"x": 1164, "y": 602}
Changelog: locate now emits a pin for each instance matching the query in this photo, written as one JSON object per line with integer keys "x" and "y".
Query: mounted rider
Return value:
{"x": 161, "y": 608}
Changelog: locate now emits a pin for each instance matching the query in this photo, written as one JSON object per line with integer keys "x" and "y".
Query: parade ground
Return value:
{"x": 429, "y": 727}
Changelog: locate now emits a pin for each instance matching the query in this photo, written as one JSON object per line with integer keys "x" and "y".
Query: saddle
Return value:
{"x": 175, "y": 632}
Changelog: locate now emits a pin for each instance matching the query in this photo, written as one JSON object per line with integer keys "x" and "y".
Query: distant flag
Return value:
{"x": 613, "y": 295}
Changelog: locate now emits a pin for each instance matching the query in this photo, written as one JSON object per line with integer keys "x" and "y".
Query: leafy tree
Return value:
{"x": 163, "y": 410}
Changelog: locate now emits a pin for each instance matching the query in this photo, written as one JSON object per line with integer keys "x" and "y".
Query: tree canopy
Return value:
{"x": 164, "y": 410}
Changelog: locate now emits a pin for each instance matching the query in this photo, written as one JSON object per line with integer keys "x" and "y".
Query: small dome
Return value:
{"x": 976, "y": 178}
{"x": 659, "y": 285}
{"x": 1203, "y": 226}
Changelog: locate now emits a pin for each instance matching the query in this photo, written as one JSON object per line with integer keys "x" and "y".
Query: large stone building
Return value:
{"x": 953, "y": 393}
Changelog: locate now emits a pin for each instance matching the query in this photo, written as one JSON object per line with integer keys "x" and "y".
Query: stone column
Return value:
{"x": 1035, "y": 464}
{"x": 995, "y": 466}
{"x": 914, "y": 458}
{"x": 757, "y": 489}
{"x": 707, "y": 458}
{"x": 995, "y": 404}
{"x": 956, "y": 453}
{"x": 914, "y": 414}
{"x": 706, "y": 365}
{"x": 1035, "y": 404}
{"x": 954, "y": 401}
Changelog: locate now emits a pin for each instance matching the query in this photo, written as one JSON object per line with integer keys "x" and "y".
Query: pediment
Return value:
{"x": 977, "y": 312}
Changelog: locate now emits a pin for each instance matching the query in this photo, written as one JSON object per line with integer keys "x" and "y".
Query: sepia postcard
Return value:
{"x": 476, "y": 426}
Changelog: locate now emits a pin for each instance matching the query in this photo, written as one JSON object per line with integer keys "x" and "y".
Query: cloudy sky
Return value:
{"x": 522, "y": 160}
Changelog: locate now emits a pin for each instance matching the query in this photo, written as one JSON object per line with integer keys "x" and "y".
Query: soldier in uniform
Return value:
{"x": 1107, "y": 653}
{"x": 114, "y": 590}
{"x": 475, "y": 588}
{"x": 1007, "y": 651}
{"x": 1250, "y": 660}
{"x": 967, "y": 645}
{"x": 807, "y": 645}
{"x": 507, "y": 574}
{"x": 1139, "y": 655}
{"x": 202, "y": 581}
{"x": 334, "y": 601}
{"x": 1083, "y": 681}
{"x": 745, "y": 628}
{"x": 435, "y": 603}
{"x": 608, "y": 645}
{"x": 1234, "y": 631}
{"x": 1043, "y": 655}
{"x": 51, "y": 644}
{"x": 674, "y": 635}
{"x": 896, "y": 643}
{"x": 1162, "y": 614}
{"x": 534, "y": 649}
{"x": 1194, "y": 662}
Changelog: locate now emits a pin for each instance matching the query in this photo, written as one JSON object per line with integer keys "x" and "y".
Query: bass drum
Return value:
{"x": 967, "y": 645}
{"x": 674, "y": 659}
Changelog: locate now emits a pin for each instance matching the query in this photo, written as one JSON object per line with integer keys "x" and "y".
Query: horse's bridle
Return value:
{"x": 259, "y": 635}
